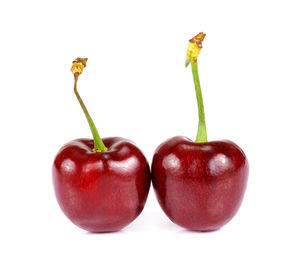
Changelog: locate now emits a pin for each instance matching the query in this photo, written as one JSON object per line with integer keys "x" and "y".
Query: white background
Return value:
{"x": 136, "y": 86}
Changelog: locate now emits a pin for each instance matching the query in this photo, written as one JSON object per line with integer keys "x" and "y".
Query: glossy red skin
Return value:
{"x": 101, "y": 192}
{"x": 200, "y": 186}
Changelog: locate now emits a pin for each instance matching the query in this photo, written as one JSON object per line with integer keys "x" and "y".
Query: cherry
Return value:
{"x": 101, "y": 185}
{"x": 200, "y": 185}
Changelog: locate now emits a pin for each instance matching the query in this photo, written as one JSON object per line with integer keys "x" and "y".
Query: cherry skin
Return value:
{"x": 101, "y": 191}
{"x": 200, "y": 186}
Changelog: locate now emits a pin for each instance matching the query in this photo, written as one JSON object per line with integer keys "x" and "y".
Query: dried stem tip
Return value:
{"x": 198, "y": 39}
{"x": 195, "y": 45}
{"x": 78, "y": 65}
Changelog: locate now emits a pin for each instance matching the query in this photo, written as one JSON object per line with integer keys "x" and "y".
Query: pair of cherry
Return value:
{"x": 102, "y": 185}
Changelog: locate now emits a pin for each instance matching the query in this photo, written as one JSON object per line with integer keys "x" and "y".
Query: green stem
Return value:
{"x": 98, "y": 143}
{"x": 201, "y": 133}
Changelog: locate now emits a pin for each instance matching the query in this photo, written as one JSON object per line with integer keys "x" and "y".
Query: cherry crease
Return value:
{"x": 200, "y": 186}
{"x": 101, "y": 191}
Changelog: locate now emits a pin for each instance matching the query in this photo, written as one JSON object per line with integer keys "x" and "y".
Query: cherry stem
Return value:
{"x": 201, "y": 132}
{"x": 195, "y": 46}
{"x": 98, "y": 143}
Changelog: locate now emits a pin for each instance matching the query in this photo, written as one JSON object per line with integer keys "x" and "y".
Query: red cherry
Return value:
{"x": 101, "y": 185}
{"x": 200, "y": 186}
{"x": 101, "y": 192}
